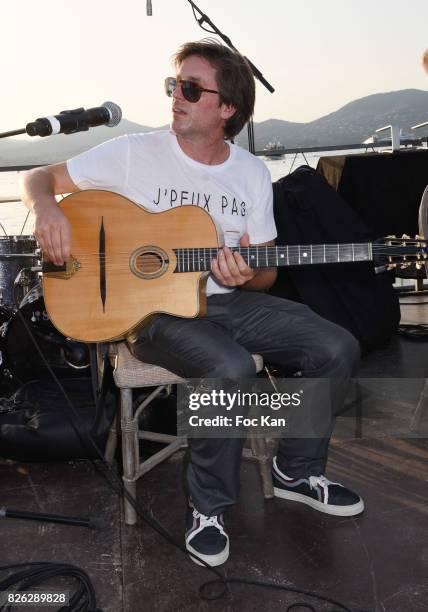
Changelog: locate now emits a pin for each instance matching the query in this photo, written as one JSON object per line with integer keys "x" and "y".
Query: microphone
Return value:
{"x": 149, "y": 8}
{"x": 76, "y": 120}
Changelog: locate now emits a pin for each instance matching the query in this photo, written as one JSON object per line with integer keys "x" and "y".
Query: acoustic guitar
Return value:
{"x": 128, "y": 263}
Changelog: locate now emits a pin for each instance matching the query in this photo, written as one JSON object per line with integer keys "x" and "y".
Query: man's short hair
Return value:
{"x": 234, "y": 77}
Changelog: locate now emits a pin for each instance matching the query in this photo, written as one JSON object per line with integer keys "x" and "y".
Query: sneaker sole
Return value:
{"x": 212, "y": 560}
{"x": 317, "y": 505}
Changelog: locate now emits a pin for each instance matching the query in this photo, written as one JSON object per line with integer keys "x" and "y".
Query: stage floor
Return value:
{"x": 376, "y": 562}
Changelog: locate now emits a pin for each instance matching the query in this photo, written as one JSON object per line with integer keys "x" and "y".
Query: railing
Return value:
{"x": 420, "y": 125}
{"x": 414, "y": 142}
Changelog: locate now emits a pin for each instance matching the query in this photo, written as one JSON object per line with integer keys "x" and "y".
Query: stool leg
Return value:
{"x": 260, "y": 450}
{"x": 130, "y": 514}
{"x": 129, "y": 440}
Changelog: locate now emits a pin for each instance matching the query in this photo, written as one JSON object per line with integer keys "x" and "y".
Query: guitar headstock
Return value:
{"x": 401, "y": 252}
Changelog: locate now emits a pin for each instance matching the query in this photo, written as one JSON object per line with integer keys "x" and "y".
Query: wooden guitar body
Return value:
{"x": 122, "y": 268}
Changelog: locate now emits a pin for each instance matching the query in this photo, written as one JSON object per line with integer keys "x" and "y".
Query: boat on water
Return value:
{"x": 273, "y": 150}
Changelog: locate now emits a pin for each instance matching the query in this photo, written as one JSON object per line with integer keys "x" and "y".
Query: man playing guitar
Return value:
{"x": 194, "y": 163}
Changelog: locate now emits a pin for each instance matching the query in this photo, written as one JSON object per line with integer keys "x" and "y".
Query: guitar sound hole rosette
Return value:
{"x": 149, "y": 262}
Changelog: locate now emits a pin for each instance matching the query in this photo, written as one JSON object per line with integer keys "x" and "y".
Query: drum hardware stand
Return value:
{"x": 24, "y": 281}
{"x": 25, "y": 222}
{"x": 9, "y": 406}
{"x": 18, "y": 255}
{"x": 49, "y": 518}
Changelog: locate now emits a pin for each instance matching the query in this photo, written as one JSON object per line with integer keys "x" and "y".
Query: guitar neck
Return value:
{"x": 199, "y": 259}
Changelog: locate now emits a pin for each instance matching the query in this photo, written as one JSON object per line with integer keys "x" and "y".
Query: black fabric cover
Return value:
{"x": 385, "y": 189}
{"x": 308, "y": 211}
{"x": 38, "y": 428}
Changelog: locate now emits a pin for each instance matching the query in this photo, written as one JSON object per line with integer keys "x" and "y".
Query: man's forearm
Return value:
{"x": 37, "y": 188}
{"x": 51, "y": 227}
{"x": 40, "y": 185}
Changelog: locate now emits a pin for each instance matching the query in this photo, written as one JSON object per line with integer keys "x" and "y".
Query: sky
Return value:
{"x": 319, "y": 55}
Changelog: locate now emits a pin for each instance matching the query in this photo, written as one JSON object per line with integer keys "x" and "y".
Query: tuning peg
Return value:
{"x": 392, "y": 236}
{"x": 405, "y": 236}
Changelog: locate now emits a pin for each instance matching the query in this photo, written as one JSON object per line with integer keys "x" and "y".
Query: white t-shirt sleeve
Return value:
{"x": 261, "y": 223}
{"x": 102, "y": 167}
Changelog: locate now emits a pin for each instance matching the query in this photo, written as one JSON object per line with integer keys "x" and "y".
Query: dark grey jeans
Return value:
{"x": 220, "y": 346}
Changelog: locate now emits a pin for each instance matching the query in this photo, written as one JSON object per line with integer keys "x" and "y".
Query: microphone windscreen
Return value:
{"x": 115, "y": 113}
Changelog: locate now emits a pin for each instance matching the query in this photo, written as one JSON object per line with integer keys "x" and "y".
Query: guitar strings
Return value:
{"x": 292, "y": 247}
{"x": 304, "y": 247}
{"x": 199, "y": 258}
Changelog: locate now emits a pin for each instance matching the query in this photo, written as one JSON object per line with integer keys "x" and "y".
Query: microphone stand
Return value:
{"x": 12, "y": 133}
{"x": 256, "y": 72}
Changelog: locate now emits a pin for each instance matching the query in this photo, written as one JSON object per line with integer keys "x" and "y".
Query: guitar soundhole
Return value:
{"x": 149, "y": 262}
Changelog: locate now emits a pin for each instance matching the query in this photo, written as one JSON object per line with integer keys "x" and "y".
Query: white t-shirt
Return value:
{"x": 152, "y": 170}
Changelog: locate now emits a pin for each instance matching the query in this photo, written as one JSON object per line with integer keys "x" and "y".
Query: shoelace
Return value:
{"x": 208, "y": 521}
{"x": 323, "y": 482}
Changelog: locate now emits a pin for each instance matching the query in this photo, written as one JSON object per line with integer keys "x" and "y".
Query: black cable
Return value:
{"x": 82, "y": 600}
{"x": 271, "y": 585}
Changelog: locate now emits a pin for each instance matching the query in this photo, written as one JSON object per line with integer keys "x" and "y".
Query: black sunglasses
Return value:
{"x": 191, "y": 91}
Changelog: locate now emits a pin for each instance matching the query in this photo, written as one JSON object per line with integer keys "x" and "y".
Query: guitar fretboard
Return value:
{"x": 199, "y": 259}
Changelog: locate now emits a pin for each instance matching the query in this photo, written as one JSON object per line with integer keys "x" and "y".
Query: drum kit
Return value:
{"x": 24, "y": 320}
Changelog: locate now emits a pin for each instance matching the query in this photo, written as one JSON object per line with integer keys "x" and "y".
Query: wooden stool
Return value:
{"x": 130, "y": 373}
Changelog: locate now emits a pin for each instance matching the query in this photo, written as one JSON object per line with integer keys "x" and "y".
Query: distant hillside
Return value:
{"x": 351, "y": 124}
{"x": 58, "y": 148}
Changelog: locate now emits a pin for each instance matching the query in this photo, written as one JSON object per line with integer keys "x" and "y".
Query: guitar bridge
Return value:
{"x": 64, "y": 272}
